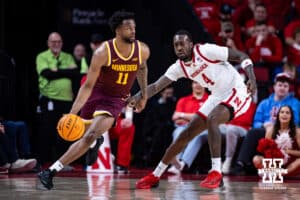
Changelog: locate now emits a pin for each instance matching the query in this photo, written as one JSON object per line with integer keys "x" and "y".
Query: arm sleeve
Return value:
{"x": 175, "y": 72}
{"x": 214, "y": 52}
{"x": 60, "y": 73}
{"x": 276, "y": 53}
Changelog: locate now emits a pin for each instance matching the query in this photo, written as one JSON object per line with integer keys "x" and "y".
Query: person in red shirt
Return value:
{"x": 207, "y": 12}
{"x": 264, "y": 49}
{"x": 185, "y": 110}
{"x": 260, "y": 15}
{"x": 289, "y": 34}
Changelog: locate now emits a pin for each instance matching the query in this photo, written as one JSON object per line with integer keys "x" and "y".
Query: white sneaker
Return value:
{"x": 4, "y": 168}
{"x": 23, "y": 165}
{"x": 226, "y": 167}
{"x": 174, "y": 170}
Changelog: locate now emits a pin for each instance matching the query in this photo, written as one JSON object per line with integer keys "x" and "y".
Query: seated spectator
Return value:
{"x": 9, "y": 156}
{"x": 287, "y": 138}
{"x": 229, "y": 37}
{"x": 265, "y": 49}
{"x": 185, "y": 109}
{"x": 124, "y": 133}
{"x": 79, "y": 54}
{"x": 264, "y": 118}
{"x": 234, "y": 130}
{"x": 260, "y": 16}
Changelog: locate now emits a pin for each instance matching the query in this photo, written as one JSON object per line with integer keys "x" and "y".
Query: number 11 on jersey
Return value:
{"x": 122, "y": 79}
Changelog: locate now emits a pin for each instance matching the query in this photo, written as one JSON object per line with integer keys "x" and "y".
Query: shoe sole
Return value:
{"x": 25, "y": 168}
{"x": 148, "y": 186}
{"x": 45, "y": 184}
{"x": 91, "y": 162}
{"x": 213, "y": 186}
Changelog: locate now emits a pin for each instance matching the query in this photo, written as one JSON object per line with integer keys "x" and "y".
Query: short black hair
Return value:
{"x": 184, "y": 32}
{"x": 117, "y": 18}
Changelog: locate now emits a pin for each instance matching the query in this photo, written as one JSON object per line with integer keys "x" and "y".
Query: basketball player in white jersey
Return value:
{"x": 208, "y": 65}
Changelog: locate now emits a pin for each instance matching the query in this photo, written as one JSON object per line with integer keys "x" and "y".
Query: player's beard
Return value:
{"x": 128, "y": 40}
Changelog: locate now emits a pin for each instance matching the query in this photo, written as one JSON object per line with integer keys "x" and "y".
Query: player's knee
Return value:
{"x": 212, "y": 120}
{"x": 90, "y": 136}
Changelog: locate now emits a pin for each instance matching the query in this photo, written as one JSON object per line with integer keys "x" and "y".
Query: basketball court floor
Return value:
{"x": 105, "y": 186}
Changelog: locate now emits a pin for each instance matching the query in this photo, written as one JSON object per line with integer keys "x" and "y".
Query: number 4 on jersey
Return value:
{"x": 207, "y": 80}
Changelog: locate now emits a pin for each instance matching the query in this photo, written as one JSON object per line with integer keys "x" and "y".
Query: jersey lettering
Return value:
{"x": 237, "y": 101}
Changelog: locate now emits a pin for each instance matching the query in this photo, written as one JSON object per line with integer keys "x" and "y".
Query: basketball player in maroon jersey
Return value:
{"x": 114, "y": 67}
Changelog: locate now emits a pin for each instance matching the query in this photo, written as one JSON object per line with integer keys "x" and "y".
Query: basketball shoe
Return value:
{"x": 46, "y": 177}
{"x": 213, "y": 180}
{"x": 92, "y": 154}
{"x": 147, "y": 182}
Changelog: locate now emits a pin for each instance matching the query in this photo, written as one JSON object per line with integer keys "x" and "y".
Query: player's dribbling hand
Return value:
{"x": 140, "y": 105}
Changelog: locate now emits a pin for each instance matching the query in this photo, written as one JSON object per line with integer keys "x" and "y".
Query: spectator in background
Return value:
{"x": 286, "y": 135}
{"x": 55, "y": 70}
{"x": 260, "y": 16}
{"x": 9, "y": 154}
{"x": 124, "y": 133}
{"x": 186, "y": 107}
{"x": 95, "y": 42}
{"x": 158, "y": 125}
{"x": 292, "y": 64}
{"x": 229, "y": 37}
{"x": 79, "y": 54}
{"x": 243, "y": 13}
{"x": 264, "y": 118}
{"x": 265, "y": 49}
{"x": 207, "y": 12}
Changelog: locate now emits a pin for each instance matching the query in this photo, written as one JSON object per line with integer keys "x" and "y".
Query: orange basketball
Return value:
{"x": 70, "y": 127}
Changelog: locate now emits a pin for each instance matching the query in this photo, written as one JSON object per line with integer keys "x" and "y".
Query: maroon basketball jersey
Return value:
{"x": 117, "y": 78}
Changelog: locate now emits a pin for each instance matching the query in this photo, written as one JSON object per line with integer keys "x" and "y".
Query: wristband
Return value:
{"x": 246, "y": 63}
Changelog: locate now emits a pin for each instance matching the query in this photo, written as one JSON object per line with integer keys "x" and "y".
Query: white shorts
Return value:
{"x": 237, "y": 98}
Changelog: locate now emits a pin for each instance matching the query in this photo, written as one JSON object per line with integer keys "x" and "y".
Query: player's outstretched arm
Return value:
{"x": 152, "y": 89}
{"x": 99, "y": 59}
{"x": 247, "y": 65}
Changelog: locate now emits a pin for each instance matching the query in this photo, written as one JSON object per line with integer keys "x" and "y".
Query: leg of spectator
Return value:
{"x": 193, "y": 148}
{"x": 175, "y": 134}
{"x": 248, "y": 148}
{"x": 23, "y": 139}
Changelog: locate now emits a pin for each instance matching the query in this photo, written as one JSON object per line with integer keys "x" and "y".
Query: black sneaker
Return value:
{"x": 46, "y": 177}
{"x": 92, "y": 153}
{"x": 121, "y": 169}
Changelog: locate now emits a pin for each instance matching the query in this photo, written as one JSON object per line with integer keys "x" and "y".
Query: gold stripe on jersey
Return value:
{"x": 140, "y": 51}
{"x": 101, "y": 112}
{"x": 108, "y": 54}
{"x": 120, "y": 55}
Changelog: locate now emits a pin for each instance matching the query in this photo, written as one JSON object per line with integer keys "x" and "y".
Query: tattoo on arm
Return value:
{"x": 142, "y": 76}
{"x": 236, "y": 55}
{"x": 157, "y": 86}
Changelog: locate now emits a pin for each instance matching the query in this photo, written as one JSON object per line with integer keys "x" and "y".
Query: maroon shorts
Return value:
{"x": 100, "y": 103}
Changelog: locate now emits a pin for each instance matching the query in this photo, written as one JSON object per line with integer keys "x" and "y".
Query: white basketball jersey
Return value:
{"x": 209, "y": 67}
